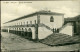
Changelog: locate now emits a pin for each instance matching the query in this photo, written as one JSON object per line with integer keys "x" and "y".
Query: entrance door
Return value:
{"x": 74, "y": 25}
{"x": 29, "y": 33}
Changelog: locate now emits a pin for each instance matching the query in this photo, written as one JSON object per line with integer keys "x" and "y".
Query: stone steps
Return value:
{"x": 60, "y": 39}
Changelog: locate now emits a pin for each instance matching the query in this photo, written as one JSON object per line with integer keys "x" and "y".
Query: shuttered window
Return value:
{"x": 30, "y": 22}
{"x": 35, "y": 21}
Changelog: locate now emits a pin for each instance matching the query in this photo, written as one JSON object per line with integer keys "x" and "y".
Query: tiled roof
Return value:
{"x": 35, "y": 13}
{"x": 76, "y": 18}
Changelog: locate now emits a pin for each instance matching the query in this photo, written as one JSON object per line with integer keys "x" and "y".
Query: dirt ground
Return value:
{"x": 12, "y": 42}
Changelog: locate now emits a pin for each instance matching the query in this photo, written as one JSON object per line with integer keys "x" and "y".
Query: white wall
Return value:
{"x": 43, "y": 32}
{"x": 68, "y": 29}
{"x": 33, "y": 18}
{"x": 58, "y": 20}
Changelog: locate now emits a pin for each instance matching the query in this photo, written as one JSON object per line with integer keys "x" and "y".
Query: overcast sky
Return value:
{"x": 11, "y": 11}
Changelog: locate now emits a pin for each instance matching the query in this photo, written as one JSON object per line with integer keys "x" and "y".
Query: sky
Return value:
{"x": 15, "y": 9}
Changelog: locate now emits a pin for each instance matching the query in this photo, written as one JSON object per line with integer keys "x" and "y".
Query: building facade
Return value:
{"x": 76, "y": 24}
{"x": 37, "y": 25}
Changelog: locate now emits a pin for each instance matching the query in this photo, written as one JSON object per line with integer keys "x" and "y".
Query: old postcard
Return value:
{"x": 40, "y": 26}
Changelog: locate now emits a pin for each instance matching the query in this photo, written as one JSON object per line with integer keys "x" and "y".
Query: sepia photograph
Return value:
{"x": 40, "y": 26}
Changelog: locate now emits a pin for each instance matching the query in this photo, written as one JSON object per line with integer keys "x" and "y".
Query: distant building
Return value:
{"x": 76, "y": 23}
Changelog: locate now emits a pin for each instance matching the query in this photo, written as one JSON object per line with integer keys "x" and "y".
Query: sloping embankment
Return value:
{"x": 60, "y": 39}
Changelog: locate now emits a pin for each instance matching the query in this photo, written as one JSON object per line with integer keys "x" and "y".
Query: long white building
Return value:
{"x": 41, "y": 24}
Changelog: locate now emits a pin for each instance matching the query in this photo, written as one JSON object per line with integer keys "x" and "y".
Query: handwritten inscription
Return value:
{"x": 17, "y": 2}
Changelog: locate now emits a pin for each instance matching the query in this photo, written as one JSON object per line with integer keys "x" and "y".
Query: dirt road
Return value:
{"x": 12, "y": 42}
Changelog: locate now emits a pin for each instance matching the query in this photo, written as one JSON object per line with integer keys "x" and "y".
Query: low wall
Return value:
{"x": 68, "y": 29}
{"x": 43, "y": 32}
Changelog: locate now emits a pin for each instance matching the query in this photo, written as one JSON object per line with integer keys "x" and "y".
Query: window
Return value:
{"x": 25, "y": 29}
{"x": 22, "y": 29}
{"x": 24, "y": 23}
{"x": 35, "y": 21}
{"x": 21, "y": 23}
{"x": 30, "y": 22}
{"x": 15, "y": 28}
{"x": 27, "y": 22}
{"x": 19, "y": 29}
{"x": 51, "y": 19}
{"x": 17, "y": 23}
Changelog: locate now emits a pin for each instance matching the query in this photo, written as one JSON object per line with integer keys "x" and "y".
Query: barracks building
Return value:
{"x": 38, "y": 25}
